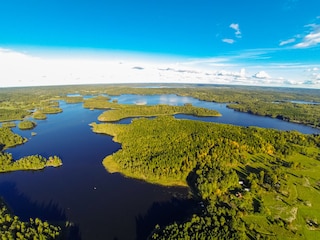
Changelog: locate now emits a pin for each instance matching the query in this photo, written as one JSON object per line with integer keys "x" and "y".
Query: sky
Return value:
{"x": 242, "y": 42}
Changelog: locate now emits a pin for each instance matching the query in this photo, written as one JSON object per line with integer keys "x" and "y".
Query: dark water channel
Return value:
{"x": 101, "y": 205}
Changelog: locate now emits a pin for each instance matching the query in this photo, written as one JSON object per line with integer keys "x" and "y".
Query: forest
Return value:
{"x": 253, "y": 182}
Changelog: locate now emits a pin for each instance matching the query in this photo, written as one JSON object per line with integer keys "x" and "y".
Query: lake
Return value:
{"x": 99, "y": 204}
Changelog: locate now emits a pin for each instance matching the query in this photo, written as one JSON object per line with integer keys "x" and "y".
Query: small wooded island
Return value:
{"x": 33, "y": 162}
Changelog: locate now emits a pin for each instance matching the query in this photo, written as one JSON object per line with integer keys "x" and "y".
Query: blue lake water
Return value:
{"x": 102, "y": 205}
{"x": 229, "y": 116}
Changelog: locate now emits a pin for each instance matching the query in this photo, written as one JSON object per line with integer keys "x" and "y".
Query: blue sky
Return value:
{"x": 277, "y": 40}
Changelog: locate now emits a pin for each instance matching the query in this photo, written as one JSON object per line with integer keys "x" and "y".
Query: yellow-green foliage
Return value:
{"x": 77, "y": 99}
{"x": 11, "y": 227}
{"x": 125, "y": 111}
{"x": 7, "y": 114}
{"x": 51, "y": 110}
{"x": 211, "y": 158}
{"x": 33, "y": 162}
{"x": 9, "y": 139}
{"x": 99, "y": 102}
{"x": 308, "y": 114}
{"x": 26, "y": 124}
{"x": 39, "y": 115}
{"x": 8, "y": 124}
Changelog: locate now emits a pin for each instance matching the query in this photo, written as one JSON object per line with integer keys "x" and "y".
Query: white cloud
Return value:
{"x": 228, "y": 40}
{"x": 261, "y": 74}
{"x": 285, "y": 42}
{"x": 235, "y": 26}
{"x": 312, "y": 38}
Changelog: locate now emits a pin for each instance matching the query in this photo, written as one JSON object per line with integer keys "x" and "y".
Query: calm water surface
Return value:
{"x": 102, "y": 205}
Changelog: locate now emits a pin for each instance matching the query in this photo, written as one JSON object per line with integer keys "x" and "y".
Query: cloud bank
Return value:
{"x": 18, "y": 69}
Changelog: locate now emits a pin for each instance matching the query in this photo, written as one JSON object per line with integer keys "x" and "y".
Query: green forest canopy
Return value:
{"x": 278, "y": 170}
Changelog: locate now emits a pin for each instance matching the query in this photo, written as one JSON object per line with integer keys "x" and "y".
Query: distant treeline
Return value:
{"x": 272, "y": 102}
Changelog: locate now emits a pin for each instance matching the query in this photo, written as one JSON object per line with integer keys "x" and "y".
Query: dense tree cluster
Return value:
{"x": 308, "y": 114}
{"x": 165, "y": 148}
{"x": 125, "y": 111}
{"x": 50, "y": 110}
{"x": 12, "y": 114}
{"x": 99, "y": 102}
{"x": 9, "y": 139}
{"x": 12, "y": 228}
{"x": 8, "y": 124}
{"x": 32, "y": 162}
{"x": 26, "y": 124}
{"x": 39, "y": 115}
{"x": 73, "y": 99}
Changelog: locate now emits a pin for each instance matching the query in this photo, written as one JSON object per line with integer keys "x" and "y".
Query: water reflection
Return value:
{"x": 229, "y": 116}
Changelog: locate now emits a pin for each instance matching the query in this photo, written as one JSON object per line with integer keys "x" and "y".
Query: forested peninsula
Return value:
{"x": 253, "y": 182}
{"x": 121, "y": 111}
{"x": 33, "y": 162}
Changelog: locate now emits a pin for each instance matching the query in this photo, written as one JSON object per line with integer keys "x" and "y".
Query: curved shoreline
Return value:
{"x": 112, "y": 167}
